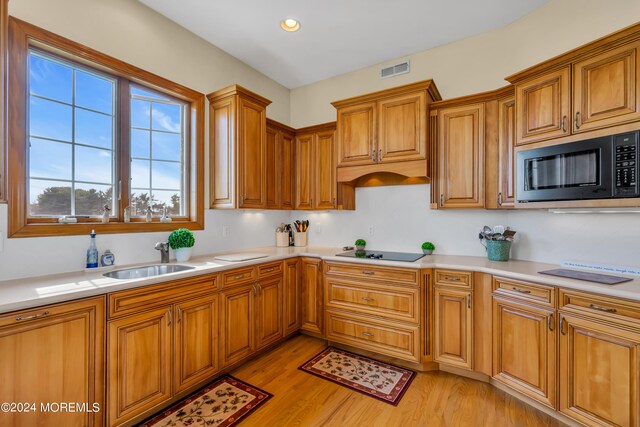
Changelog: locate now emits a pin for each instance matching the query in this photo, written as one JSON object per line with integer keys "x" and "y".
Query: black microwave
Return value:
{"x": 599, "y": 168}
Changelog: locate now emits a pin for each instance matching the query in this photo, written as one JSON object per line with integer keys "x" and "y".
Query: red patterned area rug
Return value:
{"x": 367, "y": 376}
{"x": 220, "y": 404}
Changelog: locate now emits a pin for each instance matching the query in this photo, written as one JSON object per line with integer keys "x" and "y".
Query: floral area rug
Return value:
{"x": 220, "y": 404}
{"x": 376, "y": 379}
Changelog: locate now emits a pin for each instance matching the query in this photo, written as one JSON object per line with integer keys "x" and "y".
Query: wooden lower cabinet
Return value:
{"x": 291, "y": 296}
{"x": 524, "y": 349}
{"x": 312, "y": 295}
{"x": 139, "y": 371}
{"x": 453, "y": 327}
{"x": 196, "y": 341}
{"x": 599, "y": 372}
{"x": 237, "y": 324}
{"x": 268, "y": 318}
{"x": 50, "y": 355}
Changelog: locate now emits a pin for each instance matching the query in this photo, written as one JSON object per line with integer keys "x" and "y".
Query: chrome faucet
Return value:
{"x": 164, "y": 252}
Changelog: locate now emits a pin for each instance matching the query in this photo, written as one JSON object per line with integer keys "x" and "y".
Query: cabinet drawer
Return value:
{"x": 457, "y": 278}
{"x": 408, "y": 276}
{"x": 391, "y": 339}
{"x": 148, "y": 297}
{"x": 394, "y": 302}
{"x": 525, "y": 291}
{"x": 238, "y": 276}
{"x": 271, "y": 269}
{"x": 607, "y": 308}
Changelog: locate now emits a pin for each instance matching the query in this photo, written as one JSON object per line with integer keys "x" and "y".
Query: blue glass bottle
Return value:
{"x": 92, "y": 252}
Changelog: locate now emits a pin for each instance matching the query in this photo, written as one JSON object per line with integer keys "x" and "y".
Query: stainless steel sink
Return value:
{"x": 147, "y": 271}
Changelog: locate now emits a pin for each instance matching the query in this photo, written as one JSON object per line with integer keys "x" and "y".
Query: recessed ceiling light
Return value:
{"x": 290, "y": 24}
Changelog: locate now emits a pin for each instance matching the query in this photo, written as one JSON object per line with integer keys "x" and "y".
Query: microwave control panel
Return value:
{"x": 626, "y": 165}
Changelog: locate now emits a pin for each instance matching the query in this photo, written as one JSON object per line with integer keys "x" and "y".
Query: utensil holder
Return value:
{"x": 282, "y": 239}
{"x": 300, "y": 238}
{"x": 498, "y": 250}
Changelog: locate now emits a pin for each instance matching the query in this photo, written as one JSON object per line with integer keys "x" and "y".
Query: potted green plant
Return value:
{"x": 360, "y": 244}
{"x": 428, "y": 248}
{"x": 181, "y": 241}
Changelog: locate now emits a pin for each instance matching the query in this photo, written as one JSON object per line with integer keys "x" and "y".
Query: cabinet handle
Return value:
{"x": 468, "y": 301}
{"x": 576, "y": 120}
{"x": 562, "y": 326}
{"x": 550, "y": 322}
{"x": 255, "y": 292}
{"x": 522, "y": 291}
{"x": 241, "y": 200}
{"x": 563, "y": 126}
{"x": 380, "y": 155}
{"x": 259, "y": 289}
{"x": 368, "y": 272}
{"x": 238, "y": 277}
{"x": 179, "y": 314}
{"x": 368, "y": 299}
{"x": 373, "y": 155}
{"x": 169, "y": 317}
{"x": 453, "y": 279}
{"x": 35, "y": 316}
{"x": 367, "y": 334}
{"x": 500, "y": 199}
{"x": 269, "y": 270}
{"x": 597, "y": 307}
{"x": 334, "y": 201}
{"x": 441, "y": 199}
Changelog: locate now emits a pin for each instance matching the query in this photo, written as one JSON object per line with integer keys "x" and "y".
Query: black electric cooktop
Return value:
{"x": 382, "y": 255}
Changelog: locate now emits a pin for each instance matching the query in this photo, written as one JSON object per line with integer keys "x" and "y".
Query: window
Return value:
{"x": 90, "y": 134}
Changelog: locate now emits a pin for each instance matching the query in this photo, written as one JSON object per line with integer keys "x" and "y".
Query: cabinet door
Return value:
{"x": 287, "y": 170}
{"x": 524, "y": 349}
{"x": 599, "y": 373}
{"x": 139, "y": 365}
{"x": 291, "y": 296}
{"x": 268, "y": 317}
{"x": 50, "y": 355}
{"x": 506, "y": 143}
{"x": 453, "y": 327}
{"x": 273, "y": 168}
{"x": 251, "y": 154}
{"x": 356, "y": 134}
{"x": 542, "y": 107}
{"x": 325, "y": 171}
{"x": 237, "y": 322}
{"x": 402, "y": 123}
{"x": 305, "y": 159}
{"x": 312, "y": 295}
{"x": 461, "y": 157}
{"x": 605, "y": 89}
{"x": 222, "y": 156}
{"x": 196, "y": 341}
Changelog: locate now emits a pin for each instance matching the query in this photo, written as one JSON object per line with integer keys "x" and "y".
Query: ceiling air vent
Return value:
{"x": 394, "y": 70}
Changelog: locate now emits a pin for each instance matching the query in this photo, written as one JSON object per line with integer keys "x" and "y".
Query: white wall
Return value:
{"x": 130, "y": 31}
{"x": 472, "y": 65}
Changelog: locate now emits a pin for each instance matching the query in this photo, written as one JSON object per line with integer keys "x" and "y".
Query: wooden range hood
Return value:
{"x": 382, "y": 138}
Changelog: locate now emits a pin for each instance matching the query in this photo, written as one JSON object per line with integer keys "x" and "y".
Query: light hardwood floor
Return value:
{"x": 433, "y": 399}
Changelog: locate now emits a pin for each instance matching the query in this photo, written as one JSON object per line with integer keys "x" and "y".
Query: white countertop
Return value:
{"x": 43, "y": 290}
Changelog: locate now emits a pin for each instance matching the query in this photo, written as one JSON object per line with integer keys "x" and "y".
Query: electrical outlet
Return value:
{"x": 226, "y": 231}
{"x": 372, "y": 230}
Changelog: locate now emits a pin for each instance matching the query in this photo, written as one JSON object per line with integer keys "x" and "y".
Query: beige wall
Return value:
{"x": 478, "y": 63}
{"x": 130, "y": 31}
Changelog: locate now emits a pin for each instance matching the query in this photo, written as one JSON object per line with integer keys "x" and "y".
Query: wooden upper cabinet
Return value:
{"x": 50, "y": 355}
{"x": 524, "y": 349}
{"x": 305, "y": 171}
{"x": 599, "y": 372}
{"x": 402, "y": 127}
{"x": 460, "y": 175}
{"x": 356, "y": 134}
{"x": 287, "y": 144}
{"x": 605, "y": 89}
{"x": 238, "y": 164}
{"x": 325, "y": 171}
{"x": 273, "y": 160}
{"x": 506, "y": 157}
{"x": 543, "y": 107}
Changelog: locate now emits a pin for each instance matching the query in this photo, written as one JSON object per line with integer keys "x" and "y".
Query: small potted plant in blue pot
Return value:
{"x": 428, "y": 248}
{"x": 181, "y": 241}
